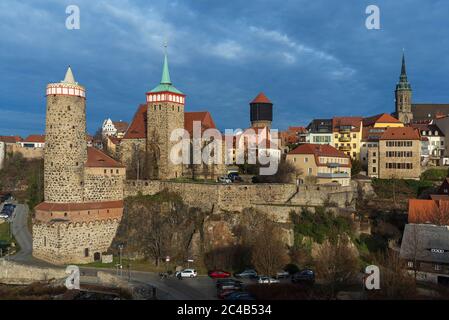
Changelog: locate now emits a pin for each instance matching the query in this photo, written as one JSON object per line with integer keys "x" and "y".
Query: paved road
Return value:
{"x": 201, "y": 288}
{"x": 22, "y": 233}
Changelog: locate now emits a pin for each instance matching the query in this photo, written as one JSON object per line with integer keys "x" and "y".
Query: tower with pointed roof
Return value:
{"x": 403, "y": 96}
{"x": 165, "y": 113}
{"x": 83, "y": 187}
{"x": 66, "y": 147}
{"x": 261, "y": 111}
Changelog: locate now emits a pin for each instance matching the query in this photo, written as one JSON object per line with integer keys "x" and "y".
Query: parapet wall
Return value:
{"x": 236, "y": 197}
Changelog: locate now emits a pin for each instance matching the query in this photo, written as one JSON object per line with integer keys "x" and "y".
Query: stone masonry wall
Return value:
{"x": 163, "y": 119}
{"x": 65, "y": 148}
{"x": 63, "y": 243}
{"x": 100, "y": 184}
{"x": 236, "y": 197}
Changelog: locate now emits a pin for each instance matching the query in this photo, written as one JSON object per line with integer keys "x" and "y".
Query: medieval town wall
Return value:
{"x": 64, "y": 243}
{"x": 236, "y": 197}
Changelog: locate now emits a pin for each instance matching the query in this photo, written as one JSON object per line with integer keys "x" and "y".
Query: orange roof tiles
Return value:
{"x": 121, "y": 126}
{"x": 354, "y": 122}
{"x": 261, "y": 98}
{"x": 405, "y": 133}
{"x": 46, "y": 206}
{"x": 35, "y": 138}
{"x": 320, "y": 150}
{"x": 203, "y": 116}
{"x": 428, "y": 211}
{"x": 137, "y": 129}
{"x": 380, "y": 118}
{"x": 10, "y": 139}
{"x": 97, "y": 158}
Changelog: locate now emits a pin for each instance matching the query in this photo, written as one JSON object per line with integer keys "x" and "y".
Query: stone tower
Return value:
{"x": 165, "y": 113}
{"x": 83, "y": 187}
{"x": 65, "y": 149}
{"x": 261, "y": 112}
{"x": 403, "y": 96}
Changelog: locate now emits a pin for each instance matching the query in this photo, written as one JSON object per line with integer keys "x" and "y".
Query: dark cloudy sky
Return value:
{"x": 311, "y": 58}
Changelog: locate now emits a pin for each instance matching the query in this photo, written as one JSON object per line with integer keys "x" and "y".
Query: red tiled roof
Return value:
{"x": 203, "y": 116}
{"x": 137, "y": 129}
{"x": 97, "y": 158}
{"x": 114, "y": 140}
{"x": 35, "y": 138}
{"x": 354, "y": 122}
{"x": 381, "y": 118}
{"x": 121, "y": 126}
{"x": 405, "y": 133}
{"x": 47, "y": 206}
{"x": 428, "y": 211}
{"x": 297, "y": 129}
{"x": 10, "y": 139}
{"x": 319, "y": 150}
{"x": 261, "y": 98}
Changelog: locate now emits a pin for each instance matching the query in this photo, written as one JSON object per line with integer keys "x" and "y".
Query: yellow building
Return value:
{"x": 322, "y": 163}
{"x": 347, "y": 135}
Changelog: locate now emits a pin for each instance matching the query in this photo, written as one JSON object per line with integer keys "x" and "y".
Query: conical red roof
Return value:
{"x": 261, "y": 98}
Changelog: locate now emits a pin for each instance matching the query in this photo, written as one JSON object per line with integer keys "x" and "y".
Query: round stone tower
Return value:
{"x": 261, "y": 112}
{"x": 65, "y": 141}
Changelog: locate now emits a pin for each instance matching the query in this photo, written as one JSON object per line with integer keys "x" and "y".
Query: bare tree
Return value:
{"x": 336, "y": 263}
{"x": 395, "y": 281}
{"x": 269, "y": 253}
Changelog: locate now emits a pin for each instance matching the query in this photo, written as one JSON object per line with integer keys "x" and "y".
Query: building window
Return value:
{"x": 309, "y": 170}
{"x": 374, "y": 169}
{"x": 68, "y": 108}
{"x": 410, "y": 264}
{"x": 437, "y": 267}
{"x": 105, "y": 171}
{"x": 86, "y": 252}
{"x": 116, "y": 171}
{"x": 306, "y": 160}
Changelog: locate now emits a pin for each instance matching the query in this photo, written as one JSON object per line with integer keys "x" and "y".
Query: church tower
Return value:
{"x": 403, "y": 95}
{"x": 165, "y": 113}
{"x": 65, "y": 141}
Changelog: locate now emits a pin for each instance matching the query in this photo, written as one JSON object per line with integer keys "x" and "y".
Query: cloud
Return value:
{"x": 228, "y": 49}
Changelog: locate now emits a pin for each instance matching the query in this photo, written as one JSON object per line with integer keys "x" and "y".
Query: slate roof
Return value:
{"x": 430, "y": 243}
{"x": 425, "y": 111}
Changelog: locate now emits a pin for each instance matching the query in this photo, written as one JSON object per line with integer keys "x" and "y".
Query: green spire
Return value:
{"x": 166, "y": 84}
{"x": 165, "y": 73}
{"x": 403, "y": 83}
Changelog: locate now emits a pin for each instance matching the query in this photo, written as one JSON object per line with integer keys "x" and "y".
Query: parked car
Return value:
{"x": 282, "y": 274}
{"x": 187, "y": 273}
{"x": 234, "y": 176}
{"x": 4, "y": 216}
{"x": 269, "y": 280}
{"x": 224, "y": 180}
{"x": 248, "y": 273}
{"x": 223, "y": 281}
{"x": 305, "y": 276}
{"x": 225, "y": 285}
{"x": 219, "y": 274}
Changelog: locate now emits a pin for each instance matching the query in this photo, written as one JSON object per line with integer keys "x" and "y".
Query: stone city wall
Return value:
{"x": 62, "y": 243}
{"x": 236, "y": 197}
{"x": 18, "y": 274}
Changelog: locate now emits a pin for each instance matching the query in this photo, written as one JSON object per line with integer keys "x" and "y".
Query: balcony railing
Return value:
{"x": 333, "y": 165}
{"x": 344, "y": 139}
{"x": 345, "y": 130}
{"x": 345, "y": 148}
{"x": 333, "y": 175}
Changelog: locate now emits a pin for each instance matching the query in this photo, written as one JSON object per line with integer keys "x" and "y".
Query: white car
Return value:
{"x": 224, "y": 180}
{"x": 187, "y": 273}
{"x": 267, "y": 280}
{"x": 4, "y": 216}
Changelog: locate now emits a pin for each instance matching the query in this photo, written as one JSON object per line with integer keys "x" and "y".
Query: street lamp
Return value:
{"x": 120, "y": 247}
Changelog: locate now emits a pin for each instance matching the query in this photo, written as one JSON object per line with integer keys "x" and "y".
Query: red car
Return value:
{"x": 219, "y": 274}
